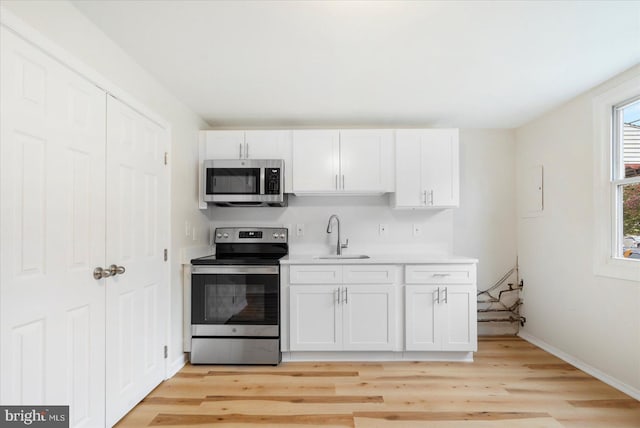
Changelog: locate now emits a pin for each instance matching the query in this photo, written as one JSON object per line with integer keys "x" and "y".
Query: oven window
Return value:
{"x": 235, "y": 299}
{"x": 233, "y": 181}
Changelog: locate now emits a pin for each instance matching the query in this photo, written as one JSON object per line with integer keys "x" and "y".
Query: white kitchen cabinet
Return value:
{"x": 440, "y": 318}
{"x": 247, "y": 144}
{"x": 342, "y": 318}
{"x": 440, "y": 313}
{"x": 342, "y": 162}
{"x": 369, "y": 317}
{"x": 315, "y": 318}
{"x": 344, "y": 313}
{"x": 223, "y": 145}
{"x": 427, "y": 169}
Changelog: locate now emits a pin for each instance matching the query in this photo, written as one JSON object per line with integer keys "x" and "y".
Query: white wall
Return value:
{"x": 64, "y": 25}
{"x": 592, "y": 320}
{"x": 485, "y": 223}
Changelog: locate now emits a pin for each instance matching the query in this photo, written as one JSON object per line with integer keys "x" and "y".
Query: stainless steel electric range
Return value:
{"x": 235, "y": 298}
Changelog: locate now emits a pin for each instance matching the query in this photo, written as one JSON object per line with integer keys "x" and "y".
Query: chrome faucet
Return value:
{"x": 339, "y": 245}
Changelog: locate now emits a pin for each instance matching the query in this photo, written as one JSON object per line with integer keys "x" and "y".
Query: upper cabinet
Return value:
{"x": 342, "y": 162}
{"x": 427, "y": 169}
{"x": 271, "y": 144}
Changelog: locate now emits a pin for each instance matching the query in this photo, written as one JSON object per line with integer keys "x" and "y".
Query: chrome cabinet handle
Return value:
{"x": 438, "y": 298}
{"x": 342, "y": 181}
{"x": 424, "y": 196}
{"x": 336, "y": 292}
{"x": 99, "y": 273}
{"x": 336, "y": 181}
{"x": 431, "y": 197}
{"x": 240, "y": 145}
{"x": 346, "y": 295}
{"x": 116, "y": 270}
{"x": 446, "y": 295}
{"x": 246, "y": 150}
{"x": 441, "y": 275}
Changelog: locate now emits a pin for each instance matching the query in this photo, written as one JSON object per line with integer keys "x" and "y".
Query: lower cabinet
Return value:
{"x": 440, "y": 318}
{"x": 359, "y": 308}
{"x": 342, "y": 317}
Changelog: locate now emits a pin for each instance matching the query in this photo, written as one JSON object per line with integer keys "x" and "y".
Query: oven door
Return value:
{"x": 234, "y": 301}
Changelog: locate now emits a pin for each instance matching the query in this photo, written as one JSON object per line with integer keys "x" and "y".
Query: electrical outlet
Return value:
{"x": 300, "y": 229}
{"x": 383, "y": 229}
{"x": 417, "y": 229}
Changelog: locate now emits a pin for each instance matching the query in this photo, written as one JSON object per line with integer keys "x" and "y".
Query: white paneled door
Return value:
{"x": 137, "y": 230}
{"x": 83, "y": 185}
{"x": 52, "y": 223}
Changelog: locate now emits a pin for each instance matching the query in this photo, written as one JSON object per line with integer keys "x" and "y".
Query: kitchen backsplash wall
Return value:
{"x": 360, "y": 220}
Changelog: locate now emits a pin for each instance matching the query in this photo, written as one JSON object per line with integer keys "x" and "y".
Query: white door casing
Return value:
{"x": 137, "y": 232}
{"x": 52, "y": 225}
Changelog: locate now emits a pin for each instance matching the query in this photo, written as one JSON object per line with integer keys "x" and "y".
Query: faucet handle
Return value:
{"x": 345, "y": 245}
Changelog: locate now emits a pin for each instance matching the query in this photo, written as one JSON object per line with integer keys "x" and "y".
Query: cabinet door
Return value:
{"x": 422, "y": 332}
{"x": 315, "y": 318}
{"x": 440, "y": 167}
{"x": 458, "y": 316}
{"x": 369, "y": 317}
{"x": 224, "y": 144}
{"x": 365, "y": 160}
{"x": 315, "y": 161}
{"x": 408, "y": 188}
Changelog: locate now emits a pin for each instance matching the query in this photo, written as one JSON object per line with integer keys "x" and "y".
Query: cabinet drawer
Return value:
{"x": 315, "y": 274}
{"x": 440, "y": 274}
{"x": 369, "y": 274}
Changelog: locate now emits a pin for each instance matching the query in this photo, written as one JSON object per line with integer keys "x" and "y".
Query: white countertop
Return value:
{"x": 377, "y": 259}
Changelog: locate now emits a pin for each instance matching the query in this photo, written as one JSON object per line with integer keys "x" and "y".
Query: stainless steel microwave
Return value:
{"x": 244, "y": 182}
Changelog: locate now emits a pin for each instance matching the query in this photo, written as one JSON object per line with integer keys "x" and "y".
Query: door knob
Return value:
{"x": 116, "y": 270}
{"x": 99, "y": 273}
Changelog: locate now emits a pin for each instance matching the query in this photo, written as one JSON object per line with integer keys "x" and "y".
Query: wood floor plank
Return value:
{"x": 449, "y": 416}
{"x": 164, "y": 419}
{"x": 336, "y": 399}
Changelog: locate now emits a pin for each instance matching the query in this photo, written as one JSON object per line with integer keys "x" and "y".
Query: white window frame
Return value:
{"x": 607, "y": 209}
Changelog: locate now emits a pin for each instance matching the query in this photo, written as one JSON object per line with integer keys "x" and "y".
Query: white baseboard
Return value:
{"x": 176, "y": 365}
{"x": 609, "y": 380}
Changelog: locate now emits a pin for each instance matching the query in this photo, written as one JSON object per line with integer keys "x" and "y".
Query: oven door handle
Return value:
{"x": 235, "y": 270}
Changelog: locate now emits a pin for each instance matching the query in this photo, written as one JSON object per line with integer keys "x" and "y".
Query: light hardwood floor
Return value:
{"x": 511, "y": 384}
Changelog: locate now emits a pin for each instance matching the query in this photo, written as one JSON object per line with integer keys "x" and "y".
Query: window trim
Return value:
{"x": 606, "y": 184}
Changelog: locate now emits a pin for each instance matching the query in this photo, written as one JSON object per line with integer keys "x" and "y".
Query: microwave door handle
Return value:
{"x": 262, "y": 178}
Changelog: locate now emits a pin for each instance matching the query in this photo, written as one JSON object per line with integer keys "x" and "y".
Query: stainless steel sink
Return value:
{"x": 342, "y": 257}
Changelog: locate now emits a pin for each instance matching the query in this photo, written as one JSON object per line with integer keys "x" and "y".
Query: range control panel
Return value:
{"x": 250, "y": 234}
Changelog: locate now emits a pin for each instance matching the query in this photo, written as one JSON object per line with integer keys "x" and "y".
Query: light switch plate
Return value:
{"x": 383, "y": 229}
{"x": 417, "y": 229}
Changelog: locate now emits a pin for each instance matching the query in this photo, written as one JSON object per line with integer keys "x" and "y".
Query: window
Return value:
{"x": 626, "y": 179}
{"x": 616, "y": 190}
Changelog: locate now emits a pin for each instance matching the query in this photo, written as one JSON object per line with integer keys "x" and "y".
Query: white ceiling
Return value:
{"x": 380, "y": 64}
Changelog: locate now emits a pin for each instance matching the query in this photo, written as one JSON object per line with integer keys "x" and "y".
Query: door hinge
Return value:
{"x": 166, "y": 158}
{"x": 166, "y": 351}
{"x": 166, "y": 254}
